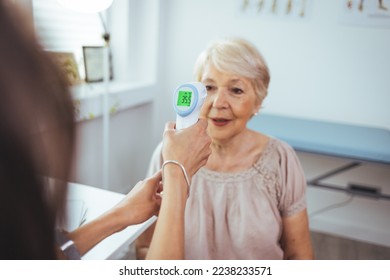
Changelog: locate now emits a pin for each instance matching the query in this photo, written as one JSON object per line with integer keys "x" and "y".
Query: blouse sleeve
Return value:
{"x": 155, "y": 161}
{"x": 292, "y": 182}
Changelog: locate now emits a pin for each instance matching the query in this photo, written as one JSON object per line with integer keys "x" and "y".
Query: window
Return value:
{"x": 60, "y": 29}
{"x": 133, "y": 26}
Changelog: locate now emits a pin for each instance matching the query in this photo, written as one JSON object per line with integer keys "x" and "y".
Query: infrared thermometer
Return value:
{"x": 187, "y": 102}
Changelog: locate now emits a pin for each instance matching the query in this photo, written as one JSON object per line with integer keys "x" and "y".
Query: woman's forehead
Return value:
{"x": 212, "y": 74}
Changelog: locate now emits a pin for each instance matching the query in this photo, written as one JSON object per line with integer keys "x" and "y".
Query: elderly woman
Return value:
{"x": 248, "y": 201}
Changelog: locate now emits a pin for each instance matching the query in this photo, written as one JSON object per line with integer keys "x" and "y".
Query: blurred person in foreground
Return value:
{"x": 37, "y": 138}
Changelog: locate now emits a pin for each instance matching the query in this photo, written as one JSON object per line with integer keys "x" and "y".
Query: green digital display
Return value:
{"x": 184, "y": 98}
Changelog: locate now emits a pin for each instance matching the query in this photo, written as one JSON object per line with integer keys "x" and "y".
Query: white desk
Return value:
{"x": 97, "y": 201}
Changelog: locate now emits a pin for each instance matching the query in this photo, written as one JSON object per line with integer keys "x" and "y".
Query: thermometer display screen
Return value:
{"x": 184, "y": 98}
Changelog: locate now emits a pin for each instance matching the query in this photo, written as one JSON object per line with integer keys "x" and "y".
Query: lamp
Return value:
{"x": 97, "y": 6}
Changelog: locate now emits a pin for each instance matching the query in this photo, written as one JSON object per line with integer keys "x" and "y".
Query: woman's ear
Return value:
{"x": 257, "y": 108}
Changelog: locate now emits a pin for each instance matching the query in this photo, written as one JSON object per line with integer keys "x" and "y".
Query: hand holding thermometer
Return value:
{"x": 187, "y": 102}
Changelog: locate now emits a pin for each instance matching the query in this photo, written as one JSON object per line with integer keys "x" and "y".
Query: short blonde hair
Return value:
{"x": 237, "y": 56}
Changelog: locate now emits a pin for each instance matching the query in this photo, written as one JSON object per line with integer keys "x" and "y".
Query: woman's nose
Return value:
{"x": 220, "y": 99}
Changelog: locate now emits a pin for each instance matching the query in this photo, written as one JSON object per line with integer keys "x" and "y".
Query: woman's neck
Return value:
{"x": 237, "y": 153}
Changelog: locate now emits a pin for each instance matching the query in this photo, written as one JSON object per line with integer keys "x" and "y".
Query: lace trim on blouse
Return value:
{"x": 257, "y": 168}
{"x": 264, "y": 172}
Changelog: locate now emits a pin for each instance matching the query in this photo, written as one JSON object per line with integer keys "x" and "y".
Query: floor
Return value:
{"x": 330, "y": 247}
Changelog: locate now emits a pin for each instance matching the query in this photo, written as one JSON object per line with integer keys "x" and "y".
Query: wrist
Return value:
{"x": 177, "y": 170}
{"x": 175, "y": 193}
{"x": 67, "y": 246}
{"x": 118, "y": 219}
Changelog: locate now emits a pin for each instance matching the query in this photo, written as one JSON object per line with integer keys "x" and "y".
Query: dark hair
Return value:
{"x": 36, "y": 141}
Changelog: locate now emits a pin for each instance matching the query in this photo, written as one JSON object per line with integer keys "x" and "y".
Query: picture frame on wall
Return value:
{"x": 93, "y": 64}
{"x": 366, "y": 13}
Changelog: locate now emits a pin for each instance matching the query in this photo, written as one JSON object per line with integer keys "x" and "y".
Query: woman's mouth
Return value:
{"x": 220, "y": 121}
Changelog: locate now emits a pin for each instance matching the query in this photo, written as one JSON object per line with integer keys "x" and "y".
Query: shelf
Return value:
{"x": 88, "y": 98}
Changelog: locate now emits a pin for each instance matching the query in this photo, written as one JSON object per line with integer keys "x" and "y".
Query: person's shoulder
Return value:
{"x": 281, "y": 147}
{"x": 271, "y": 141}
{"x": 283, "y": 157}
{"x": 281, "y": 144}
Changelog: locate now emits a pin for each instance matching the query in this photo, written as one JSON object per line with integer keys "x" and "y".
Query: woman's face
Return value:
{"x": 231, "y": 101}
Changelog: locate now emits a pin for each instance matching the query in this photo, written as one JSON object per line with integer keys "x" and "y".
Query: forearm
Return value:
{"x": 90, "y": 234}
{"x": 142, "y": 244}
{"x": 170, "y": 224}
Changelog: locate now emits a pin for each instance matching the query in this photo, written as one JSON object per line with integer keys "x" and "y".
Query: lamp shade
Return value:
{"x": 86, "y": 6}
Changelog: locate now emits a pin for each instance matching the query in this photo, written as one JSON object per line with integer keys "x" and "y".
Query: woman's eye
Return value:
{"x": 237, "y": 90}
{"x": 209, "y": 88}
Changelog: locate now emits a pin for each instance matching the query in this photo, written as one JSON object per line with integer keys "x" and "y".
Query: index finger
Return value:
{"x": 157, "y": 176}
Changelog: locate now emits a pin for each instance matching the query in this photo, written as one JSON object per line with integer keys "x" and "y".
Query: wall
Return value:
{"x": 320, "y": 68}
{"x": 134, "y": 28}
{"x": 134, "y": 32}
{"x": 130, "y": 149}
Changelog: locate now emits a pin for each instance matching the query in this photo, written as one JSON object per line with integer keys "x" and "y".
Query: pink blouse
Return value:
{"x": 239, "y": 215}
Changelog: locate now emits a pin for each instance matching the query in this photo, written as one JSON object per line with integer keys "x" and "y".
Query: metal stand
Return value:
{"x": 355, "y": 189}
{"x": 106, "y": 110}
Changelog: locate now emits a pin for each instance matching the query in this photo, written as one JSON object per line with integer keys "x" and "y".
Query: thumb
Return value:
{"x": 169, "y": 126}
{"x": 156, "y": 177}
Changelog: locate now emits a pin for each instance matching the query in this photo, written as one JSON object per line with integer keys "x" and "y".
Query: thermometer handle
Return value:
{"x": 184, "y": 122}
